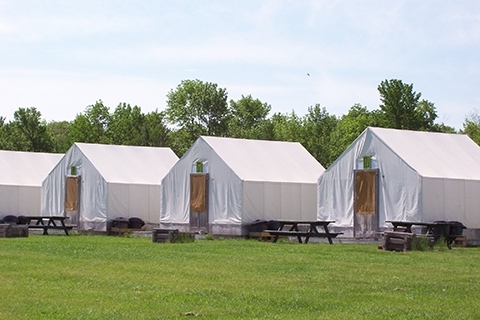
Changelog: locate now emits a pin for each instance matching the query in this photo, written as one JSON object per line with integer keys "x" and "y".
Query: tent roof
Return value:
{"x": 440, "y": 155}
{"x": 129, "y": 164}
{"x": 26, "y": 168}
{"x": 259, "y": 160}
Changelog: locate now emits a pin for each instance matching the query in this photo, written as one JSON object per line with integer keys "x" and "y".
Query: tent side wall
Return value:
{"x": 335, "y": 186}
{"x": 93, "y": 191}
{"x": 174, "y": 211}
{"x": 224, "y": 197}
{"x": 134, "y": 200}
{"x": 279, "y": 200}
{"x": 335, "y": 195}
{"x": 21, "y": 176}
{"x": 400, "y": 187}
{"x": 452, "y": 200}
{"x": 53, "y": 193}
{"x": 472, "y": 205}
{"x": 20, "y": 200}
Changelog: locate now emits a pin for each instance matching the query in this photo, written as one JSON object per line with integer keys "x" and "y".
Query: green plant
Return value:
{"x": 440, "y": 245}
{"x": 285, "y": 240}
{"x": 208, "y": 236}
{"x": 184, "y": 237}
{"x": 421, "y": 244}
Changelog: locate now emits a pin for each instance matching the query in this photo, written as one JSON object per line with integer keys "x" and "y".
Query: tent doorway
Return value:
{"x": 199, "y": 202}
{"x": 365, "y": 216}
{"x": 72, "y": 195}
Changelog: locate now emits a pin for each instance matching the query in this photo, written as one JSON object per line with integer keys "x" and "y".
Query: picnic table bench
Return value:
{"x": 311, "y": 232}
{"x": 406, "y": 226}
{"x": 46, "y": 223}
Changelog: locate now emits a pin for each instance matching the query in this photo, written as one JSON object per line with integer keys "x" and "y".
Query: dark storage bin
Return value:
{"x": 258, "y": 226}
{"x": 22, "y": 220}
{"x": 121, "y": 223}
{"x": 437, "y": 231}
{"x": 135, "y": 223}
{"x": 10, "y": 219}
{"x": 456, "y": 228}
{"x": 273, "y": 225}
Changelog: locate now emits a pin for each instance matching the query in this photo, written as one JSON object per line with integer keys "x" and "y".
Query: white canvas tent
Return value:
{"x": 420, "y": 176}
{"x": 108, "y": 182}
{"x": 21, "y": 176}
{"x": 245, "y": 180}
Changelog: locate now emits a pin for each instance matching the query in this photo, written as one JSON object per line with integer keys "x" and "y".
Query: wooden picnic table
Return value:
{"x": 45, "y": 223}
{"x": 406, "y": 226}
{"x": 311, "y": 232}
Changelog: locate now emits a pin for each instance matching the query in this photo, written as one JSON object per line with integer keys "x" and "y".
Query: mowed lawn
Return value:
{"x": 99, "y": 277}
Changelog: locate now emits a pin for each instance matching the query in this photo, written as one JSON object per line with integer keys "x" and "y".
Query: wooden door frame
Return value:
{"x": 377, "y": 192}
{"x": 207, "y": 226}
{"x": 79, "y": 195}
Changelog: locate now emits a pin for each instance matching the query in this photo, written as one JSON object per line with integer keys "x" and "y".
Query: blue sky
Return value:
{"x": 61, "y": 56}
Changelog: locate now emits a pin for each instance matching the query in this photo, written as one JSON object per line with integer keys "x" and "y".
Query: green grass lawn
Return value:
{"x": 98, "y": 277}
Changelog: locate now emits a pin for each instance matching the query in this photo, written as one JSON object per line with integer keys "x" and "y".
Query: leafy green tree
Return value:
{"x": 199, "y": 108}
{"x": 442, "y": 127}
{"x": 287, "y": 127}
{"x": 426, "y": 115}
{"x": 157, "y": 134}
{"x": 60, "y": 134}
{"x": 126, "y": 126}
{"x": 265, "y": 130}
{"x": 402, "y": 109}
{"x": 471, "y": 126}
{"x": 28, "y": 132}
{"x": 91, "y": 126}
{"x": 179, "y": 141}
{"x": 318, "y": 136}
{"x": 247, "y": 117}
{"x": 351, "y": 125}
{"x": 5, "y": 135}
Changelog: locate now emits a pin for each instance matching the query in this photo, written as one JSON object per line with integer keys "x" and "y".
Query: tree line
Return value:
{"x": 196, "y": 108}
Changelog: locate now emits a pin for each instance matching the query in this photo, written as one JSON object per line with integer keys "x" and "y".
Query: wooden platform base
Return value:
{"x": 262, "y": 236}
{"x": 404, "y": 241}
{"x": 13, "y": 231}
{"x": 121, "y": 231}
{"x": 172, "y": 235}
{"x": 460, "y": 242}
{"x": 397, "y": 241}
{"x": 164, "y": 235}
